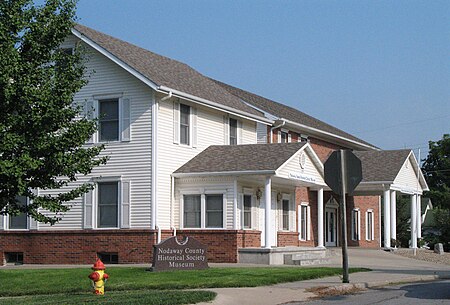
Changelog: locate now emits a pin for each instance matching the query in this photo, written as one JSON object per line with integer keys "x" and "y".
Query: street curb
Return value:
{"x": 365, "y": 285}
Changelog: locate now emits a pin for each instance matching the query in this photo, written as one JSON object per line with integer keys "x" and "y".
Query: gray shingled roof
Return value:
{"x": 232, "y": 158}
{"x": 165, "y": 71}
{"x": 288, "y": 113}
{"x": 382, "y": 165}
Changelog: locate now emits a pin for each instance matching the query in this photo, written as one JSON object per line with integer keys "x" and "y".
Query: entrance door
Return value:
{"x": 330, "y": 227}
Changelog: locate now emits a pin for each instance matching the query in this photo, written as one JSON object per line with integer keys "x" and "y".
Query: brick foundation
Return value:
{"x": 132, "y": 246}
{"x": 79, "y": 247}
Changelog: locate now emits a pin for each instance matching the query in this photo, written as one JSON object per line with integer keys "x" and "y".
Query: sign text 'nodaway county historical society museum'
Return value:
{"x": 172, "y": 254}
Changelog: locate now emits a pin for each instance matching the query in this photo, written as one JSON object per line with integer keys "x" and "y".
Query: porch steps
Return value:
{"x": 308, "y": 258}
{"x": 302, "y": 256}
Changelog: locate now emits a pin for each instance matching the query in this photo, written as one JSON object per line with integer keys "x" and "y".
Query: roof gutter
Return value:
{"x": 199, "y": 100}
{"x": 229, "y": 173}
{"x": 359, "y": 144}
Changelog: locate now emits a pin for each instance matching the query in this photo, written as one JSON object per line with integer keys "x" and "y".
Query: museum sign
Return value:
{"x": 171, "y": 254}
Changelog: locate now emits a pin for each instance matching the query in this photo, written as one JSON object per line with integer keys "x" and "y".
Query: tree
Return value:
{"x": 41, "y": 132}
{"x": 436, "y": 169}
{"x": 403, "y": 220}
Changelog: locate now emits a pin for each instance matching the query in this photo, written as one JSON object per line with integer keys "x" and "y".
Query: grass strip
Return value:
{"x": 146, "y": 297}
{"x": 16, "y": 282}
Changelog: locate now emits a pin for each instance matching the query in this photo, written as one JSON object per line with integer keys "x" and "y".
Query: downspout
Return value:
{"x": 172, "y": 199}
{"x": 169, "y": 95}
{"x": 154, "y": 209}
{"x": 280, "y": 123}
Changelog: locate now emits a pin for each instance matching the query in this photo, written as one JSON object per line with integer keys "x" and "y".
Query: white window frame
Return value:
{"x": 6, "y": 221}
{"x": 302, "y": 137}
{"x": 95, "y": 202}
{"x": 193, "y": 124}
{"x": 288, "y": 135}
{"x": 189, "y": 127}
{"x": 243, "y": 211}
{"x": 122, "y": 101}
{"x": 237, "y": 131}
{"x": 372, "y": 231}
{"x": 356, "y": 216}
{"x": 307, "y": 222}
{"x": 288, "y": 227}
{"x": 203, "y": 193}
{"x": 182, "y": 209}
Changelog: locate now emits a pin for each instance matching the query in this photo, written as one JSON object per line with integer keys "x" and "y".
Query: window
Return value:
{"x": 303, "y": 222}
{"x": 369, "y": 225}
{"x": 20, "y": 221}
{"x": 192, "y": 211}
{"x": 214, "y": 211}
{"x": 303, "y": 138}
{"x": 233, "y": 131}
{"x": 184, "y": 124}
{"x": 108, "y": 211}
{"x": 247, "y": 211}
{"x": 355, "y": 224}
{"x": 109, "y": 120}
{"x": 203, "y": 211}
{"x": 285, "y": 211}
{"x": 108, "y": 258}
{"x": 14, "y": 258}
{"x": 284, "y": 137}
{"x": 63, "y": 61}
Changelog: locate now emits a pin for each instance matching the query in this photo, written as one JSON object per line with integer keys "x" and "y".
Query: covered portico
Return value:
{"x": 268, "y": 173}
{"x": 387, "y": 173}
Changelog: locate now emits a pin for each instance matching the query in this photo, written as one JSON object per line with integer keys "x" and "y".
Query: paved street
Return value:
{"x": 430, "y": 293}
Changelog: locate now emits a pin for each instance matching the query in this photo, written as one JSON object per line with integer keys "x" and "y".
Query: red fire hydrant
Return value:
{"x": 98, "y": 277}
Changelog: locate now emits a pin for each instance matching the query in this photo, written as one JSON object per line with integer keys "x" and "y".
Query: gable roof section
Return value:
{"x": 382, "y": 166}
{"x": 165, "y": 72}
{"x": 251, "y": 158}
{"x": 289, "y": 113}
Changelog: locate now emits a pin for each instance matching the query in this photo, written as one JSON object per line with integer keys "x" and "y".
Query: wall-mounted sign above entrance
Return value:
{"x": 171, "y": 254}
{"x": 302, "y": 177}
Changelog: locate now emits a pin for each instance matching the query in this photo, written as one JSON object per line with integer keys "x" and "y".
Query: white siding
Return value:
{"x": 293, "y": 167}
{"x": 171, "y": 156}
{"x": 203, "y": 185}
{"x": 407, "y": 177}
{"x": 129, "y": 160}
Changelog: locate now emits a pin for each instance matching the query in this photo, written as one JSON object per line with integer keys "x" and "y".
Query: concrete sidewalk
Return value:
{"x": 388, "y": 268}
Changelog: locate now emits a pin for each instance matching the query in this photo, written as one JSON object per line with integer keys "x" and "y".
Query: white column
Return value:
{"x": 393, "y": 215}
{"x": 268, "y": 212}
{"x": 419, "y": 216}
{"x": 413, "y": 221}
{"x": 320, "y": 218}
{"x": 235, "y": 203}
{"x": 387, "y": 218}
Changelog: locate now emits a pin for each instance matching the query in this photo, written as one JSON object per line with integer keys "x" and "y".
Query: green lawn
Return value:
{"x": 116, "y": 297}
{"x": 138, "y": 286}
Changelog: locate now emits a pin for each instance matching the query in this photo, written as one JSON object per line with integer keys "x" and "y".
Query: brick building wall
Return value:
{"x": 323, "y": 149}
{"x": 364, "y": 203}
{"x": 79, "y": 247}
{"x": 131, "y": 246}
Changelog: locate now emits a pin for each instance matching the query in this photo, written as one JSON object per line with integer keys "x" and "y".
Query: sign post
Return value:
{"x": 343, "y": 173}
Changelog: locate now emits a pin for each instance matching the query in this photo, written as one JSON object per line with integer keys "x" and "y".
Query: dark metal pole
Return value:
{"x": 344, "y": 220}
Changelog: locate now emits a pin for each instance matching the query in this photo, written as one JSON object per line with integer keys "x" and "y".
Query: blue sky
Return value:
{"x": 377, "y": 69}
